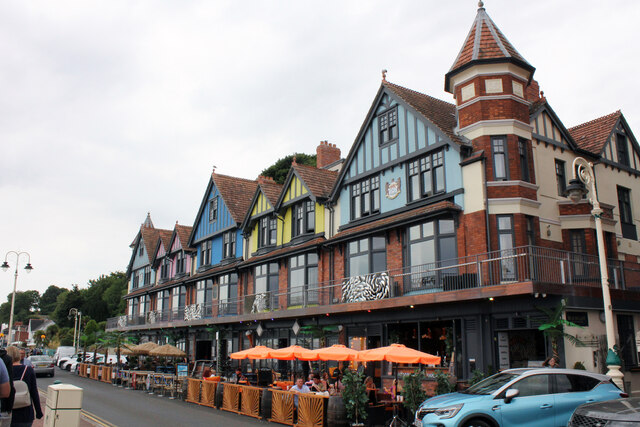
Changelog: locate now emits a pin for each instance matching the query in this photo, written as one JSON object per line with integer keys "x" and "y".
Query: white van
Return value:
{"x": 63, "y": 351}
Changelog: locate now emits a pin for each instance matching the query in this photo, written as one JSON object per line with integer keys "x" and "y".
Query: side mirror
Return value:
{"x": 510, "y": 394}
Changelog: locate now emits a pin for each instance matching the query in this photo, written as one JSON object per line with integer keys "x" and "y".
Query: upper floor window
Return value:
{"x": 626, "y": 215}
{"x": 523, "y": 153}
{"x": 213, "y": 209}
{"x": 266, "y": 278}
{"x": 365, "y": 197}
{"x": 426, "y": 176}
{"x": 499, "y": 148}
{"x": 179, "y": 297}
{"x": 204, "y": 291}
{"x": 147, "y": 276}
{"x": 622, "y": 150}
{"x": 530, "y": 230}
{"x": 164, "y": 268}
{"x": 205, "y": 253}
{"x": 267, "y": 232}
{"x": 228, "y": 293}
{"x": 303, "y": 279}
{"x": 229, "y": 244}
{"x": 180, "y": 263}
{"x": 304, "y": 218}
{"x": 136, "y": 279}
{"x": 141, "y": 249}
{"x": 561, "y": 178}
{"x": 388, "y": 124}
{"x": 162, "y": 302}
{"x": 366, "y": 256}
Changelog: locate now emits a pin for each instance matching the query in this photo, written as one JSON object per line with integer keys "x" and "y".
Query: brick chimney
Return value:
{"x": 326, "y": 154}
{"x": 263, "y": 179}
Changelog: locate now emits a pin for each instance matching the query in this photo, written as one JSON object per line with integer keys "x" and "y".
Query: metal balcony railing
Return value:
{"x": 522, "y": 264}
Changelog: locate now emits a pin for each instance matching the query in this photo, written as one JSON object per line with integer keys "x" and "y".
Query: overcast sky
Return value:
{"x": 112, "y": 109}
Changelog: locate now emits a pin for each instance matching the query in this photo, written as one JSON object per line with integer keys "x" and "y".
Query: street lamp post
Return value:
{"x": 5, "y": 267}
{"x": 76, "y": 313}
{"x": 584, "y": 184}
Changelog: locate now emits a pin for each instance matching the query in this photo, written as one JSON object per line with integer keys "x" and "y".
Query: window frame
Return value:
{"x": 503, "y": 154}
{"x": 426, "y": 166}
{"x": 180, "y": 261}
{"x": 147, "y": 276}
{"x": 622, "y": 149}
{"x": 165, "y": 268}
{"x": 561, "y": 176}
{"x": 523, "y": 153}
{"x": 229, "y": 244}
{"x": 366, "y": 190}
{"x": 388, "y": 121}
{"x": 267, "y": 271}
{"x": 370, "y": 253}
{"x": 300, "y": 218}
{"x": 625, "y": 208}
{"x": 205, "y": 253}
{"x": 309, "y": 285}
{"x": 267, "y": 232}
{"x": 213, "y": 209}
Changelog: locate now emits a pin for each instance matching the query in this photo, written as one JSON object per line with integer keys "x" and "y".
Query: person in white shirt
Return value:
{"x": 23, "y": 360}
{"x": 299, "y": 387}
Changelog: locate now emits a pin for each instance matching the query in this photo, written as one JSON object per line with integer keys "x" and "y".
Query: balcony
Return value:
{"x": 470, "y": 277}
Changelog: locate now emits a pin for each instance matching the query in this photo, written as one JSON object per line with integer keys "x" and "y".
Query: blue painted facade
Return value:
{"x": 417, "y": 136}
{"x": 205, "y": 230}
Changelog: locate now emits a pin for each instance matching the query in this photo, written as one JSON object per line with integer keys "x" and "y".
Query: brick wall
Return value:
{"x": 326, "y": 154}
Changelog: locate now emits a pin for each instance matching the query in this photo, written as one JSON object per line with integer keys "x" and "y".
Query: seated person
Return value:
{"x": 368, "y": 382}
{"x": 299, "y": 387}
{"x": 206, "y": 372}
{"x": 238, "y": 376}
{"x": 309, "y": 382}
{"x": 318, "y": 385}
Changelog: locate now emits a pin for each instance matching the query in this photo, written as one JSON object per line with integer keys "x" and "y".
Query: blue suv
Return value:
{"x": 518, "y": 397}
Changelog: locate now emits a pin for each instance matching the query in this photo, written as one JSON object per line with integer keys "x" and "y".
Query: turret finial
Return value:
{"x": 384, "y": 75}
{"x": 480, "y": 4}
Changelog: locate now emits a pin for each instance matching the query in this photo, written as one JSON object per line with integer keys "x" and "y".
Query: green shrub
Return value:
{"x": 444, "y": 383}
{"x": 579, "y": 365}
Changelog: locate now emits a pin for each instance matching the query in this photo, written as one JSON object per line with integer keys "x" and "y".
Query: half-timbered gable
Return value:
{"x": 406, "y": 153}
{"x": 140, "y": 272}
{"x": 261, "y": 223}
{"x": 216, "y": 232}
{"x": 301, "y": 204}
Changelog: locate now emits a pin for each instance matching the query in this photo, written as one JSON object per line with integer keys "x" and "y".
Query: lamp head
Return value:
{"x": 576, "y": 190}
{"x": 28, "y": 267}
{"x": 5, "y": 266}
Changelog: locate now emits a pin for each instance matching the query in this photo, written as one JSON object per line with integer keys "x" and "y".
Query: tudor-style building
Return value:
{"x": 446, "y": 228}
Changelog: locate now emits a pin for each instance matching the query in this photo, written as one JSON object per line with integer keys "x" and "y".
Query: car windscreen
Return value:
{"x": 40, "y": 359}
{"x": 491, "y": 384}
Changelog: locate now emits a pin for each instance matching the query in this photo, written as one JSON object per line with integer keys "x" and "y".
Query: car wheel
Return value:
{"x": 68, "y": 367}
{"x": 476, "y": 422}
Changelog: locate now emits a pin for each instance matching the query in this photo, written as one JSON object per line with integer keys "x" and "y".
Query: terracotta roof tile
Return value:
{"x": 593, "y": 135}
{"x": 439, "y": 112}
{"x": 237, "y": 194}
{"x": 165, "y": 236}
{"x": 271, "y": 190}
{"x": 319, "y": 181}
{"x": 383, "y": 223}
{"x": 485, "y": 42}
{"x": 150, "y": 237}
{"x": 183, "y": 232}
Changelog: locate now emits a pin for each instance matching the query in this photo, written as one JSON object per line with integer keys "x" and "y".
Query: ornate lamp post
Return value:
{"x": 5, "y": 267}
{"x": 584, "y": 184}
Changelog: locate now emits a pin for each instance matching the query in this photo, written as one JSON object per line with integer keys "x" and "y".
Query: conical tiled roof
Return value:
{"x": 593, "y": 135}
{"x": 485, "y": 44}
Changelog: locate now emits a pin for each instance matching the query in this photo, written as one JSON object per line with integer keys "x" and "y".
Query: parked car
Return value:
{"x": 63, "y": 351}
{"x": 42, "y": 365}
{"x": 615, "y": 413}
{"x": 518, "y": 397}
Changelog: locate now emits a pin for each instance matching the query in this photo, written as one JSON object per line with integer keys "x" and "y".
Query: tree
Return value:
{"x": 49, "y": 299}
{"x": 413, "y": 392}
{"x": 25, "y": 307}
{"x": 553, "y": 328}
{"x": 67, "y": 300}
{"x": 354, "y": 395}
{"x": 279, "y": 170}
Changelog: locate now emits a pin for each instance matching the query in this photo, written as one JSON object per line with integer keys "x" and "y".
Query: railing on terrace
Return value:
{"x": 527, "y": 263}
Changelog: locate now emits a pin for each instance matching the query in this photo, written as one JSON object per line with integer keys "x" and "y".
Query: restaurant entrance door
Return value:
{"x": 203, "y": 350}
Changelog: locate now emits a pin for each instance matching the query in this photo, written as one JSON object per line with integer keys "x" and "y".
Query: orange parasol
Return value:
{"x": 398, "y": 353}
{"x": 337, "y": 352}
{"x": 257, "y": 352}
{"x": 293, "y": 352}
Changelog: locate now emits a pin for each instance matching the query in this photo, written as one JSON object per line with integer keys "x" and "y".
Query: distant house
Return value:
{"x": 37, "y": 325}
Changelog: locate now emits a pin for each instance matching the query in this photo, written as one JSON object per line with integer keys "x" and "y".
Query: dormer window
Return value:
{"x": 213, "y": 209}
{"x": 141, "y": 249}
{"x": 229, "y": 244}
{"x": 304, "y": 218}
{"x": 205, "y": 253}
{"x": 180, "y": 262}
{"x": 164, "y": 269}
{"x": 388, "y": 124}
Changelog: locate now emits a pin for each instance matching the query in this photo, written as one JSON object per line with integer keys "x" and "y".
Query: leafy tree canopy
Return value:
{"x": 26, "y": 306}
{"x": 279, "y": 170}
{"x": 49, "y": 299}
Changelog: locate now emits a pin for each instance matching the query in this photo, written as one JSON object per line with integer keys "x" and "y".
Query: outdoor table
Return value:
{"x": 311, "y": 409}
{"x": 231, "y": 397}
{"x": 250, "y": 402}
{"x": 282, "y": 407}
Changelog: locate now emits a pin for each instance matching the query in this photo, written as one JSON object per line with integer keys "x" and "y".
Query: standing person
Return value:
{"x": 23, "y": 359}
{"x": 23, "y": 417}
{"x": 5, "y": 392}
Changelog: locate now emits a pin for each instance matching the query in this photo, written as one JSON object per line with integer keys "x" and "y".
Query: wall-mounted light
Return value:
{"x": 548, "y": 230}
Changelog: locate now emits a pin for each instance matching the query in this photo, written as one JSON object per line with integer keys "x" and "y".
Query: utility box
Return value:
{"x": 64, "y": 403}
